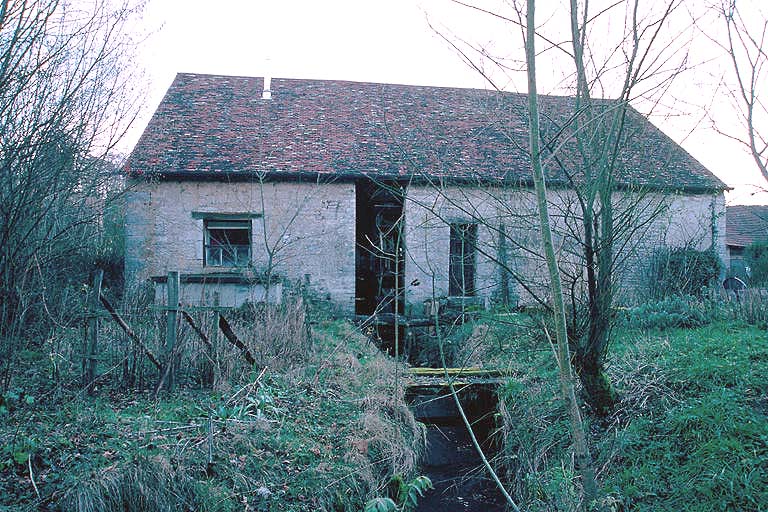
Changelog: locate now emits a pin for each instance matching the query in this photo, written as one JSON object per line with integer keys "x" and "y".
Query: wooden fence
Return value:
{"x": 166, "y": 364}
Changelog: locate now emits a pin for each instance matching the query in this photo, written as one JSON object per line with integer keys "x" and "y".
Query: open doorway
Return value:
{"x": 380, "y": 248}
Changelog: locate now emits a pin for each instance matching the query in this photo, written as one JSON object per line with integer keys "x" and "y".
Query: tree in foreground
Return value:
{"x": 602, "y": 215}
{"x": 66, "y": 98}
{"x": 581, "y": 447}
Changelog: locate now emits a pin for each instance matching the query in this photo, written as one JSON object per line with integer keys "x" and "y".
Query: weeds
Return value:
{"x": 688, "y": 433}
{"x": 321, "y": 426}
{"x": 673, "y": 311}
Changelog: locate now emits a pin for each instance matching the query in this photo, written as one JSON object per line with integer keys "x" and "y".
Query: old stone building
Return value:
{"x": 382, "y": 197}
{"x": 746, "y": 224}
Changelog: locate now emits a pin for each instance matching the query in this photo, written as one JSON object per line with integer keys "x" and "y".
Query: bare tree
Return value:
{"x": 65, "y": 99}
{"x": 604, "y": 211}
{"x": 581, "y": 447}
{"x": 747, "y": 32}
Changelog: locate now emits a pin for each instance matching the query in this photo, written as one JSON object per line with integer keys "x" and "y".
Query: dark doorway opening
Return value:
{"x": 380, "y": 248}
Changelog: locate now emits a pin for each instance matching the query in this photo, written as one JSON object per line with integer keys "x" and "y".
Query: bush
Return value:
{"x": 756, "y": 256}
{"x": 669, "y": 313}
{"x": 683, "y": 271}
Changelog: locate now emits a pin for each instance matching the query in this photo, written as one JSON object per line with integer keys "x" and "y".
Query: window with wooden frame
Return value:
{"x": 227, "y": 243}
{"x": 462, "y": 260}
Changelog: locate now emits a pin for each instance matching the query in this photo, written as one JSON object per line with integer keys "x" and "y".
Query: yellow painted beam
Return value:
{"x": 463, "y": 372}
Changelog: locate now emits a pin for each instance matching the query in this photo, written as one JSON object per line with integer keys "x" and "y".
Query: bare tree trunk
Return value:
{"x": 581, "y": 447}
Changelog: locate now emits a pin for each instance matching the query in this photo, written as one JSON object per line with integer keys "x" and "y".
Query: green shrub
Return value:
{"x": 756, "y": 256}
{"x": 670, "y": 312}
{"x": 683, "y": 271}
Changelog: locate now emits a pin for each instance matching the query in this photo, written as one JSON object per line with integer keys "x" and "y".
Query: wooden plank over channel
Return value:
{"x": 460, "y": 372}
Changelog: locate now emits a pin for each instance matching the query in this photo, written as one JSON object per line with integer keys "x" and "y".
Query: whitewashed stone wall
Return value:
{"x": 310, "y": 229}
{"x": 660, "y": 220}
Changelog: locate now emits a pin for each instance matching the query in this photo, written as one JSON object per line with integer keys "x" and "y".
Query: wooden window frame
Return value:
{"x": 218, "y": 252}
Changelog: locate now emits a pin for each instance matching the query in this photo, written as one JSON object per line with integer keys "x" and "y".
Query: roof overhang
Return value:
{"x": 413, "y": 179}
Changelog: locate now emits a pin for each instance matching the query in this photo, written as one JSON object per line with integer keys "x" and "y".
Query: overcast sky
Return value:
{"x": 391, "y": 41}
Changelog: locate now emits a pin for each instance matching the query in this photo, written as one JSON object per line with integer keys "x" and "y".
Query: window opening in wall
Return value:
{"x": 461, "y": 264}
{"x": 227, "y": 243}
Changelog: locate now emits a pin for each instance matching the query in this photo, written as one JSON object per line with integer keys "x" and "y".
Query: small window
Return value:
{"x": 227, "y": 243}
{"x": 461, "y": 264}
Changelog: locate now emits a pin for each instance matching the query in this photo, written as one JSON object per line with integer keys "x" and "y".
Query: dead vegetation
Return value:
{"x": 319, "y": 422}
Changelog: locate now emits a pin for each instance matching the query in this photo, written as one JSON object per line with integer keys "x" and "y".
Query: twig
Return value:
{"x": 248, "y": 386}
{"x": 171, "y": 429}
{"x": 210, "y": 438}
{"x": 31, "y": 475}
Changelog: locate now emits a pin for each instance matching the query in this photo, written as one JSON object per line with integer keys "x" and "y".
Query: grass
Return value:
{"x": 326, "y": 434}
{"x": 323, "y": 426}
{"x": 696, "y": 425}
{"x": 689, "y": 434}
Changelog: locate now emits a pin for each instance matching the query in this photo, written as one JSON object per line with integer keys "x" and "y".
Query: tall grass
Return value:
{"x": 319, "y": 422}
{"x": 689, "y": 433}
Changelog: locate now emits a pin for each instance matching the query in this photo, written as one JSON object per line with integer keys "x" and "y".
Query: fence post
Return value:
{"x": 171, "y": 319}
{"x": 214, "y": 350}
{"x": 92, "y": 337}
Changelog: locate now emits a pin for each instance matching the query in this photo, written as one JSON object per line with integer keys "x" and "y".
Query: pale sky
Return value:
{"x": 391, "y": 42}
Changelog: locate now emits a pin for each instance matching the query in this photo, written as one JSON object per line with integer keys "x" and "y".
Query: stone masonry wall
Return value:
{"x": 309, "y": 228}
{"x": 660, "y": 220}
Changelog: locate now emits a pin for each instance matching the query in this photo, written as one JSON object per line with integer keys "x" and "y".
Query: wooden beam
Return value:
{"x": 127, "y": 329}
{"x": 171, "y": 325}
{"x": 459, "y": 372}
{"x": 233, "y": 339}
{"x": 92, "y": 340}
{"x": 389, "y": 319}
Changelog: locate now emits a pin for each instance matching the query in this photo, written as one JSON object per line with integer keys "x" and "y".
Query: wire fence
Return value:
{"x": 145, "y": 345}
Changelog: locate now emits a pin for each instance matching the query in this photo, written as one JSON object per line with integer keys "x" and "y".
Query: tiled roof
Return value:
{"x": 210, "y": 126}
{"x": 745, "y": 224}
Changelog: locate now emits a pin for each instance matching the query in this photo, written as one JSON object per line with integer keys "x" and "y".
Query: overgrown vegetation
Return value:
{"x": 322, "y": 428}
{"x": 691, "y": 434}
{"x": 68, "y": 94}
{"x": 689, "y": 430}
{"x": 670, "y": 312}
{"x": 756, "y": 256}
{"x": 683, "y": 271}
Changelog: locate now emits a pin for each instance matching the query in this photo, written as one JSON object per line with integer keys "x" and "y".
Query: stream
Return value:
{"x": 451, "y": 462}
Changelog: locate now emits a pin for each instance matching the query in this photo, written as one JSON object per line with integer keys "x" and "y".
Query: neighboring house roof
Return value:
{"x": 745, "y": 224}
{"x": 209, "y": 126}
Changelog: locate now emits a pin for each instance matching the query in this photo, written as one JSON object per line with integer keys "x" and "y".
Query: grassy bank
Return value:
{"x": 690, "y": 432}
{"x": 326, "y": 433}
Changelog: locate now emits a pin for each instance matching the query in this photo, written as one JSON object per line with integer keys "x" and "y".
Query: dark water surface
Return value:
{"x": 461, "y": 482}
